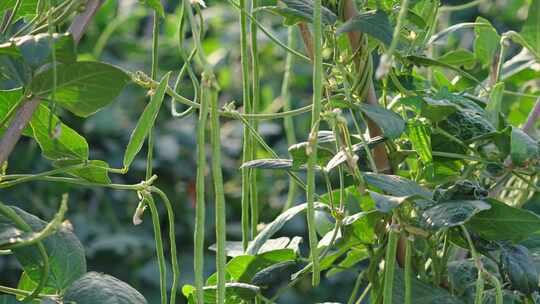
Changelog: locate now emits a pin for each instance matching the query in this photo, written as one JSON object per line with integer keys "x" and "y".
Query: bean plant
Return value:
{"x": 411, "y": 175}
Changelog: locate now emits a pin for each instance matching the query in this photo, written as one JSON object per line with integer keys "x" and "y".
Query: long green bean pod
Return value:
{"x": 390, "y": 265}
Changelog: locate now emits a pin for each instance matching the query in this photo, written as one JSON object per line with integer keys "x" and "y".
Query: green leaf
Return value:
{"x": 8, "y": 300}
{"x": 273, "y": 227}
{"x": 269, "y": 163}
{"x": 274, "y": 274}
{"x": 453, "y": 213}
{"x": 486, "y": 43}
{"x": 36, "y": 50}
{"x": 100, "y": 288}
{"x": 353, "y": 257}
{"x": 396, "y": 185}
{"x": 83, "y": 88}
{"x": 373, "y": 23}
{"x": 462, "y": 274}
{"x": 9, "y": 234}
{"x": 64, "y": 142}
{"x": 391, "y": 124}
{"x": 530, "y": 32}
{"x": 519, "y": 268}
{"x": 522, "y": 148}
{"x": 302, "y": 11}
{"x": 430, "y": 107}
{"x": 494, "y": 106}
{"x": 94, "y": 171}
{"x": 387, "y": 203}
{"x": 428, "y": 62}
{"x": 66, "y": 254}
{"x": 235, "y": 293}
{"x": 423, "y": 293}
{"x": 459, "y": 58}
{"x": 9, "y": 100}
{"x": 503, "y": 222}
{"x": 299, "y": 155}
{"x": 341, "y": 156}
{"x": 360, "y": 226}
{"x": 26, "y": 283}
{"x": 155, "y": 5}
{"x": 146, "y": 122}
{"x": 234, "y": 248}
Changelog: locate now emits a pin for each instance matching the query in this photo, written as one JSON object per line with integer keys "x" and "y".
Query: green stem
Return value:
{"x": 246, "y": 153}
{"x": 172, "y": 241}
{"x": 159, "y": 246}
{"x": 217, "y": 175}
{"x": 390, "y": 265}
{"x": 479, "y": 266}
{"x": 408, "y": 270}
{"x": 312, "y": 148}
{"x": 356, "y": 287}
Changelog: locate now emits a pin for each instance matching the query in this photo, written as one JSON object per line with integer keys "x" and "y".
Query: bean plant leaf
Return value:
{"x": 94, "y": 171}
{"x": 36, "y": 50}
{"x": 96, "y": 287}
{"x": 520, "y": 269}
{"x": 9, "y": 100}
{"x": 361, "y": 226}
{"x": 522, "y": 147}
{"x": 423, "y": 293}
{"x": 155, "y": 5}
{"x": 391, "y": 124}
{"x": 66, "y": 254}
{"x": 5, "y": 299}
{"x": 387, "y": 203}
{"x": 428, "y": 62}
{"x": 494, "y": 106}
{"x": 486, "y": 43}
{"x": 56, "y": 140}
{"x": 83, "y": 88}
{"x": 396, "y": 185}
{"x": 273, "y": 227}
{"x": 146, "y": 122}
{"x": 459, "y": 58}
{"x": 302, "y": 11}
{"x": 530, "y": 32}
{"x": 235, "y": 293}
{"x": 341, "y": 156}
{"x": 504, "y": 222}
{"x": 299, "y": 155}
{"x": 453, "y": 213}
{"x": 269, "y": 163}
{"x": 373, "y": 23}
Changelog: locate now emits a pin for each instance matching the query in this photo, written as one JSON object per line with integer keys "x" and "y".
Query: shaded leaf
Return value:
{"x": 453, "y": 213}
{"x": 503, "y": 222}
{"x": 387, "y": 203}
{"x": 235, "y": 293}
{"x": 83, "y": 88}
{"x": 155, "y": 5}
{"x": 36, "y": 50}
{"x": 94, "y": 171}
{"x": 486, "y": 43}
{"x": 391, "y": 124}
{"x": 396, "y": 185}
{"x": 100, "y": 288}
{"x": 519, "y": 268}
{"x": 341, "y": 156}
{"x": 428, "y": 62}
{"x": 146, "y": 122}
{"x": 373, "y": 23}
{"x": 302, "y": 11}
{"x": 423, "y": 293}
{"x": 458, "y": 58}
{"x": 522, "y": 147}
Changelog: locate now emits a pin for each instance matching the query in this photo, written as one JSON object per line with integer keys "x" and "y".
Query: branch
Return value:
{"x": 27, "y": 109}
{"x": 533, "y": 117}
{"x": 307, "y": 38}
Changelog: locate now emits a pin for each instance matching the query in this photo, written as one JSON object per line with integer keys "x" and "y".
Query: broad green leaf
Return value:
{"x": 155, "y": 5}
{"x": 486, "y": 43}
{"x": 61, "y": 142}
{"x": 146, "y": 122}
{"x": 430, "y": 107}
{"x": 531, "y": 29}
{"x": 36, "y": 50}
{"x": 387, "y": 203}
{"x": 15, "y": 70}
{"x": 519, "y": 268}
{"x": 83, "y": 88}
{"x": 353, "y": 257}
{"x": 302, "y": 11}
{"x": 420, "y": 140}
{"x": 428, "y": 62}
{"x": 5, "y": 299}
{"x": 100, "y": 288}
{"x": 462, "y": 274}
{"x": 360, "y": 226}
{"x": 494, "y": 106}
{"x": 522, "y": 148}
{"x": 458, "y": 58}
{"x": 234, "y": 248}
{"x": 66, "y": 254}
{"x": 396, "y": 185}
{"x": 8, "y": 102}
{"x": 273, "y": 227}
{"x": 9, "y": 234}
{"x": 503, "y": 222}
{"x": 422, "y": 292}
{"x": 274, "y": 274}
{"x": 235, "y": 293}
{"x": 26, "y": 283}
{"x": 391, "y": 124}
{"x": 453, "y": 213}
{"x": 299, "y": 155}
{"x": 373, "y": 23}
{"x": 94, "y": 171}
{"x": 341, "y": 156}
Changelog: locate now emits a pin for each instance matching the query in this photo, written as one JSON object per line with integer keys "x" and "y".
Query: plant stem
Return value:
{"x": 221, "y": 227}
{"x": 408, "y": 270}
{"x": 255, "y": 104}
{"x": 532, "y": 118}
{"x": 159, "y": 246}
{"x": 312, "y": 147}
{"x": 246, "y": 148}
{"x": 390, "y": 264}
{"x": 288, "y": 121}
